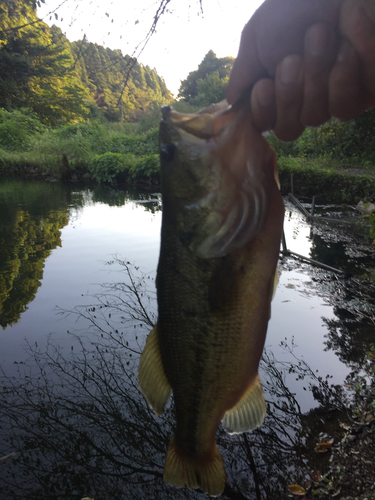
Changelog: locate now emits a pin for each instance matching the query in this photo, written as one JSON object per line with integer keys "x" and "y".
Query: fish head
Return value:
{"x": 218, "y": 178}
{"x": 185, "y": 143}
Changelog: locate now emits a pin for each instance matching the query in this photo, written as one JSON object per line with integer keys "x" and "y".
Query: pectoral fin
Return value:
{"x": 151, "y": 376}
{"x": 249, "y": 412}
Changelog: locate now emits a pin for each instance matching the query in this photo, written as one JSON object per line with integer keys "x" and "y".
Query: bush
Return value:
{"x": 146, "y": 170}
{"x": 146, "y": 144}
{"x": 119, "y": 167}
{"x": 94, "y": 136}
{"x": 108, "y": 166}
{"x": 18, "y": 129}
{"x": 282, "y": 149}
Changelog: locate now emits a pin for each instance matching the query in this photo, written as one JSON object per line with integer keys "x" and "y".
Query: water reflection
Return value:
{"x": 336, "y": 244}
{"x": 72, "y": 412}
{"x": 32, "y": 216}
{"x": 79, "y": 426}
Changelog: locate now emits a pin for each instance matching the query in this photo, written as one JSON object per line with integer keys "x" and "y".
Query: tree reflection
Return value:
{"x": 79, "y": 426}
{"x": 28, "y": 241}
{"x": 116, "y": 197}
{"x": 352, "y": 330}
{"x": 32, "y": 216}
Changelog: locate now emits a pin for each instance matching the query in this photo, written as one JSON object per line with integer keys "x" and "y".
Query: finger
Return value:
{"x": 263, "y": 105}
{"x": 345, "y": 92}
{"x": 276, "y": 30}
{"x": 357, "y": 24}
{"x": 289, "y": 98}
{"x": 320, "y": 54}
{"x": 247, "y": 67}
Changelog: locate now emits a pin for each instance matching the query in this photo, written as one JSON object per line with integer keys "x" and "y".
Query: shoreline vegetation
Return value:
{"x": 126, "y": 154}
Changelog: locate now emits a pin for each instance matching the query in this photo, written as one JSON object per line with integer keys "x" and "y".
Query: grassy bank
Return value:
{"x": 331, "y": 181}
{"x": 127, "y": 153}
{"x": 92, "y": 152}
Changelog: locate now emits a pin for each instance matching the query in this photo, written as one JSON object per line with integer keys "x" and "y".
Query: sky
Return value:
{"x": 183, "y": 35}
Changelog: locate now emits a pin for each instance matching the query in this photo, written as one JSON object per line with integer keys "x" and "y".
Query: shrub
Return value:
{"x": 108, "y": 166}
{"x": 18, "y": 129}
{"x": 282, "y": 149}
{"x": 146, "y": 170}
{"x": 146, "y": 144}
{"x": 94, "y": 136}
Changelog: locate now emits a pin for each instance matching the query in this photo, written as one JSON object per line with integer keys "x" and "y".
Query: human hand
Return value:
{"x": 307, "y": 60}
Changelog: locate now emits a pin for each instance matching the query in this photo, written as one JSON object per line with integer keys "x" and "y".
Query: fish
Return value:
{"x": 220, "y": 239}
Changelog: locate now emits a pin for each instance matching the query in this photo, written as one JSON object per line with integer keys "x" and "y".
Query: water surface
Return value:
{"x": 77, "y": 298}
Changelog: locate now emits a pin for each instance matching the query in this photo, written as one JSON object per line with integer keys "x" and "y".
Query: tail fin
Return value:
{"x": 194, "y": 472}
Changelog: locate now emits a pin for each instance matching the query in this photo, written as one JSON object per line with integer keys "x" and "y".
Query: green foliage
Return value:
{"x": 115, "y": 167}
{"x": 137, "y": 144}
{"x": 92, "y": 137}
{"x": 106, "y": 167}
{"x": 69, "y": 147}
{"x": 66, "y": 82}
{"x": 147, "y": 170}
{"x": 104, "y": 71}
{"x": 185, "y": 107}
{"x": 34, "y": 66}
{"x": 211, "y": 89}
{"x": 150, "y": 118}
{"x": 282, "y": 149}
{"x": 200, "y": 80}
{"x": 335, "y": 140}
{"x": 310, "y": 178}
{"x": 18, "y": 128}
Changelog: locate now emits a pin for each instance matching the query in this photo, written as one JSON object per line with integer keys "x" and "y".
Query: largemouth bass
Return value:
{"x": 220, "y": 239}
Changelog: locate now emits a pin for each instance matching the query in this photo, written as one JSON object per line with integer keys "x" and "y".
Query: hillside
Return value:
{"x": 65, "y": 82}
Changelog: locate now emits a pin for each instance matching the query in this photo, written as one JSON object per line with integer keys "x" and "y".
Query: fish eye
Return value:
{"x": 167, "y": 152}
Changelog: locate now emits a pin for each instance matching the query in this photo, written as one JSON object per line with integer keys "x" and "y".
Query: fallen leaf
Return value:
{"x": 307, "y": 484}
{"x": 316, "y": 475}
{"x": 297, "y": 490}
{"x": 323, "y": 447}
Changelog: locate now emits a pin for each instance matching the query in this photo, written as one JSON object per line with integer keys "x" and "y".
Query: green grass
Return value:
{"x": 127, "y": 153}
{"x": 330, "y": 180}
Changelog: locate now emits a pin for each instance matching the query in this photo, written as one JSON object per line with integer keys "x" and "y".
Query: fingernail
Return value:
{"x": 290, "y": 70}
{"x": 318, "y": 38}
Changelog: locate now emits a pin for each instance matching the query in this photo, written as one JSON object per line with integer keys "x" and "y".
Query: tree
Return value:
{"x": 14, "y": 14}
{"x": 210, "y": 64}
{"x": 35, "y": 69}
{"x": 211, "y": 89}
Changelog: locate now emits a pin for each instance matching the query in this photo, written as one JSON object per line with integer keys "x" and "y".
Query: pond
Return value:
{"x": 77, "y": 299}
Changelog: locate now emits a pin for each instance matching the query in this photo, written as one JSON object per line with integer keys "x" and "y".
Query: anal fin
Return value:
{"x": 151, "y": 376}
{"x": 207, "y": 473}
{"x": 248, "y": 413}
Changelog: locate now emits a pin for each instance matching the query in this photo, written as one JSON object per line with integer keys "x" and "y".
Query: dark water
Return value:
{"x": 77, "y": 298}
